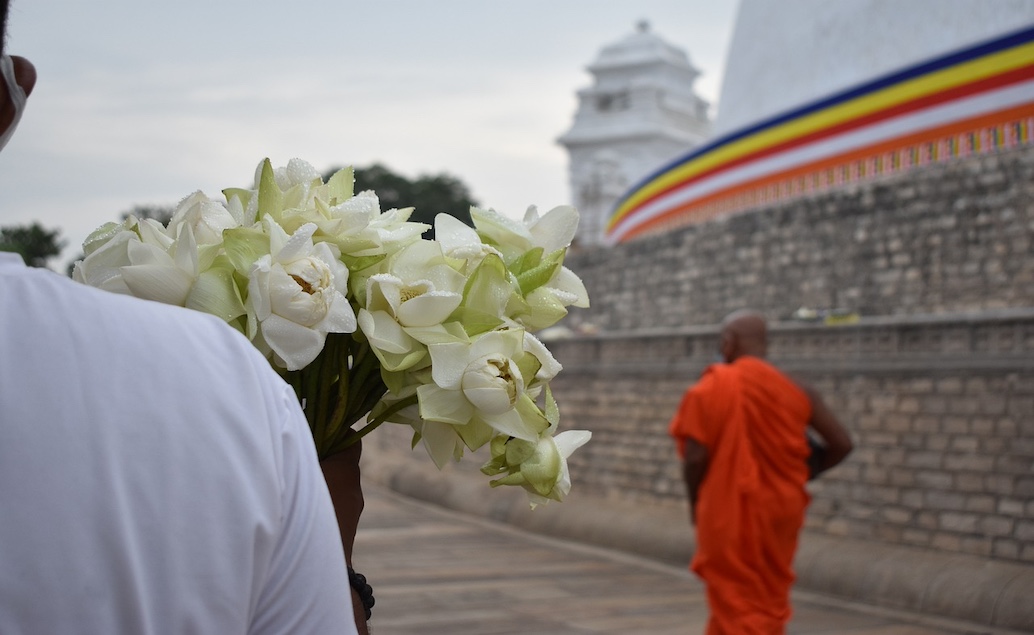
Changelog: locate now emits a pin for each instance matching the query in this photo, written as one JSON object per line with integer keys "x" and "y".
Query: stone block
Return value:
{"x": 935, "y": 405}
{"x": 1025, "y": 531}
{"x": 933, "y": 460}
{"x": 876, "y": 475}
{"x": 969, "y": 462}
{"x": 1021, "y": 407}
{"x": 886, "y": 494}
{"x": 901, "y": 477}
{"x": 1025, "y": 487}
{"x": 965, "y": 443}
{"x": 909, "y": 405}
{"x": 896, "y": 515}
{"x": 958, "y": 522}
{"x": 934, "y": 479}
{"x": 978, "y": 546}
{"x": 882, "y": 440}
{"x": 1012, "y": 464}
{"x": 1027, "y": 554}
{"x": 981, "y": 504}
{"x": 912, "y": 498}
{"x": 925, "y": 424}
{"x": 1006, "y": 549}
{"x": 897, "y": 423}
{"x": 1002, "y": 484}
{"x": 926, "y": 520}
{"x": 1007, "y": 427}
{"x": 945, "y": 500}
{"x": 955, "y": 425}
{"x": 996, "y": 526}
{"x": 1010, "y": 507}
{"x": 946, "y": 541}
{"x": 993, "y": 445}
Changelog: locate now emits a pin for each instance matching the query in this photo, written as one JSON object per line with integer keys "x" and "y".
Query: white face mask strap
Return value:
{"x": 17, "y": 96}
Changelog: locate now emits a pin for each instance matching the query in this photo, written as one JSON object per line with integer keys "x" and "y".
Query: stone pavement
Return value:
{"x": 440, "y": 572}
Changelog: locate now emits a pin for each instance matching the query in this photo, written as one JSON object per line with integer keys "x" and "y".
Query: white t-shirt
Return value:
{"x": 156, "y": 475}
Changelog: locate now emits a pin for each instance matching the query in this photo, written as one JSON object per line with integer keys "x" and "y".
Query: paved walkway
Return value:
{"x": 436, "y": 572}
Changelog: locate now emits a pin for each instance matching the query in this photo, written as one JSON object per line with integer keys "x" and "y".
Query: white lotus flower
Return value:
{"x": 107, "y": 251}
{"x": 534, "y": 251}
{"x": 162, "y": 269}
{"x": 483, "y": 381}
{"x": 461, "y": 241}
{"x": 359, "y": 228}
{"x": 396, "y": 349}
{"x": 297, "y": 294}
{"x": 138, "y": 258}
{"x": 207, "y": 218}
{"x": 420, "y": 289}
{"x": 539, "y": 466}
{"x": 297, "y": 173}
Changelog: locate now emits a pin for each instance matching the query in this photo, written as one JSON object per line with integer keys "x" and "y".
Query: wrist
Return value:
{"x": 363, "y": 589}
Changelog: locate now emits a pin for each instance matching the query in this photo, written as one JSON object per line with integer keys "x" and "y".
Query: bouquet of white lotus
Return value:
{"x": 368, "y": 321}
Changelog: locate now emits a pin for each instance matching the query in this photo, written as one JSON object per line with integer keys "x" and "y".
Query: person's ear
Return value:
{"x": 25, "y": 72}
{"x": 25, "y": 77}
{"x": 728, "y": 346}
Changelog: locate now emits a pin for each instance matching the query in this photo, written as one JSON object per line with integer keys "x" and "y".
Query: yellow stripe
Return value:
{"x": 943, "y": 79}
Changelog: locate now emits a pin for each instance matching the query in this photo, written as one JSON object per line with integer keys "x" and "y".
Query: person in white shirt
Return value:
{"x": 156, "y": 475}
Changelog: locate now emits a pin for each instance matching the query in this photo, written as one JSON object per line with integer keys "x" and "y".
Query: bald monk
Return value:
{"x": 741, "y": 432}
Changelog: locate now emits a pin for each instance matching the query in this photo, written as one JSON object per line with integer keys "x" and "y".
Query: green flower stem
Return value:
{"x": 327, "y": 379}
{"x": 356, "y": 435}
{"x": 339, "y": 395}
{"x": 340, "y": 387}
{"x": 363, "y": 365}
{"x": 309, "y": 385}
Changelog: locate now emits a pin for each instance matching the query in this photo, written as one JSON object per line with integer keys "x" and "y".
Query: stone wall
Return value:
{"x": 935, "y": 382}
{"x": 951, "y": 237}
{"x": 941, "y": 410}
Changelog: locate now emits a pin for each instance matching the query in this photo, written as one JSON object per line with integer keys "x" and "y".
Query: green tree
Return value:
{"x": 429, "y": 194}
{"x": 35, "y": 244}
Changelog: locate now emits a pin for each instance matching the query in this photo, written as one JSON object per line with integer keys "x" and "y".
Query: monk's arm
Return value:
{"x": 694, "y": 467}
{"x": 837, "y": 442}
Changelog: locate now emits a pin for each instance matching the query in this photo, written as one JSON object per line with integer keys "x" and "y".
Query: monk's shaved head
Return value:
{"x": 744, "y": 332}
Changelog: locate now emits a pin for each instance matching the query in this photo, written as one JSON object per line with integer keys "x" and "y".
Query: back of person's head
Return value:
{"x": 744, "y": 332}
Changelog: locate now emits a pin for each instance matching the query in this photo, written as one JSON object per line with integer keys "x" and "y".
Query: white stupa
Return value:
{"x": 789, "y": 53}
{"x": 640, "y": 112}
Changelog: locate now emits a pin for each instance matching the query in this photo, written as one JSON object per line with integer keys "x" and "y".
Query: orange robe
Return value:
{"x": 750, "y": 505}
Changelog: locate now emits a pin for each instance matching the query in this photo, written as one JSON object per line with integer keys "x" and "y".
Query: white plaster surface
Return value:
{"x": 785, "y": 54}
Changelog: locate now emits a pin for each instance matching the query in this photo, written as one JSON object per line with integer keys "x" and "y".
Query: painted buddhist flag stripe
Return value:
{"x": 881, "y": 132}
{"x": 955, "y": 139}
{"x": 915, "y": 105}
{"x": 838, "y": 112}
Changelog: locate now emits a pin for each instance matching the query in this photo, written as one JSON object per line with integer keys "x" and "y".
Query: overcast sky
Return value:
{"x": 145, "y": 101}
